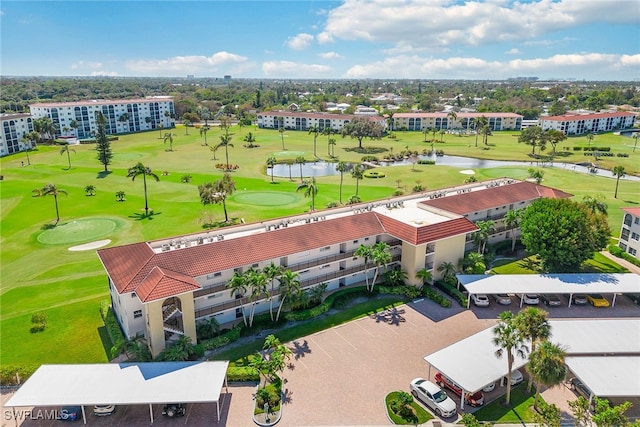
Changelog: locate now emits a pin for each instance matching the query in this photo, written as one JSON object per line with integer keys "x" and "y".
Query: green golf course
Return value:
{"x": 40, "y": 274}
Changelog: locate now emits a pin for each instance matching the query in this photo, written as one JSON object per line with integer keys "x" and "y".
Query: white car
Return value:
{"x": 531, "y": 299}
{"x": 434, "y": 397}
{"x": 480, "y": 300}
{"x": 503, "y": 299}
{"x": 103, "y": 410}
{"x": 516, "y": 377}
{"x": 489, "y": 388}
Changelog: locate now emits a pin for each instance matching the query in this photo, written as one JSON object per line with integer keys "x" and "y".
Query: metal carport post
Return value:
{"x": 151, "y": 412}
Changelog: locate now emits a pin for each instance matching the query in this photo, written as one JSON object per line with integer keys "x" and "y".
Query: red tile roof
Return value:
{"x": 476, "y": 201}
{"x": 317, "y": 115}
{"x": 573, "y": 117}
{"x": 161, "y": 283}
{"x": 633, "y": 211}
{"x": 123, "y": 263}
{"x": 427, "y": 233}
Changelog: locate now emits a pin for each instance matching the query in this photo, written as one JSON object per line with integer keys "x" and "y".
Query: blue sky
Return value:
{"x": 349, "y": 39}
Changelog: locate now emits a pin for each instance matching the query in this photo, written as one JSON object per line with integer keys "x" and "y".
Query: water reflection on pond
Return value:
{"x": 323, "y": 168}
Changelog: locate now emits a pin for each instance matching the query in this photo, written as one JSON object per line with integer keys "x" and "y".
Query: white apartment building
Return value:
{"x": 579, "y": 124}
{"x": 630, "y": 232}
{"x": 14, "y": 128}
{"x": 463, "y": 121}
{"x": 123, "y": 115}
{"x": 304, "y": 121}
{"x": 164, "y": 287}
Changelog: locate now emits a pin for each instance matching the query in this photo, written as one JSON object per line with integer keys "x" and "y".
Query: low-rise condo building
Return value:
{"x": 630, "y": 232}
{"x": 579, "y": 124}
{"x": 14, "y": 129}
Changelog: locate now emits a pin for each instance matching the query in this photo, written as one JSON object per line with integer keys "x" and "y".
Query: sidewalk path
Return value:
{"x": 623, "y": 262}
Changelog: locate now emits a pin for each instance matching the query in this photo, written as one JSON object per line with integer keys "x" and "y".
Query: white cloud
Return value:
{"x": 290, "y": 69}
{"x": 300, "y": 41}
{"x": 324, "y": 38}
{"x": 579, "y": 66}
{"x": 194, "y": 64}
{"x": 330, "y": 55}
{"x": 105, "y": 74}
{"x": 85, "y": 64}
{"x": 513, "y": 51}
{"x": 443, "y": 23}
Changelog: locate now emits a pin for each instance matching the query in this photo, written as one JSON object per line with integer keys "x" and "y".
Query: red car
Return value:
{"x": 475, "y": 399}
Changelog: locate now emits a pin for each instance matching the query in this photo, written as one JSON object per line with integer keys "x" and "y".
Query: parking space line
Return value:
{"x": 320, "y": 347}
{"x": 364, "y": 329}
{"x": 346, "y": 340}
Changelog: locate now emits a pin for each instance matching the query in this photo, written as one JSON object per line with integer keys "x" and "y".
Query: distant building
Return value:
{"x": 304, "y": 121}
{"x": 579, "y": 124}
{"x": 420, "y": 121}
{"x": 123, "y": 115}
{"x": 227, "y": 78}
{"x": 14, "y": 128}
{"x": 366, "y": 111}
{"x": 630, "y": 232}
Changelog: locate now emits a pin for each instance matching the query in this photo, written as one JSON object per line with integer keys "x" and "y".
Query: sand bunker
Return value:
{"x": 468, "y": 172}
{"x": 91, "y": 245}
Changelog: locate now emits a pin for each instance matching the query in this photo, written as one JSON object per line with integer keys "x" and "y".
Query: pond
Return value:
{"x": 326, "y": 168}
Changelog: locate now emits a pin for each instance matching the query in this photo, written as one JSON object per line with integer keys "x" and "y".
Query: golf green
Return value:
{"x": 265, "y": 198}
{"x": 289, "y": 153}
{"x": 79, "y": 230}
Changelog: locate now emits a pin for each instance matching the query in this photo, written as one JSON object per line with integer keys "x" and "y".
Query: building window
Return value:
{"x": 355, "y": 241}
{"x": 326, "y": 248}
{"x": 632, "y": 251}
{"x": 238, "y": 313}
{"x": 622, "y": 246}
{"x": 133, "y": 294}
{"x": 636, "y": 221}
{"x": 211, "y": 276}
{"x": 137, "y": 313}
{"x": 635, "y": 236}
{"x": 624, "y": 235}
{"x": 627, "y": 220}
{"x": 255, "y": 265}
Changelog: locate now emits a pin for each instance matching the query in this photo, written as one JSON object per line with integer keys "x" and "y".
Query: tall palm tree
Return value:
{"x": 281, "y": 130}
{"x": 511, "y": 221}
{"x": 480, "y": 123}
{"x": 238, "y": 285}
{"x": 485, "y": 131}
{"x": 203, "y": 132}
{"x": 332, "y": 147}
{"x": 272, "y": 272}
{"x": 590, "y": 137}
{"x": 328, "y": 131}
{"x": 485, "y": 228}
{"x": 315, "y": 131}
{"x": 342, "y": 167}
{"x": 534, "y": 326}
{"x": 448, "y": 269}
{"x": 546, "y": 367}
{"x": 257, "y": 281}
{"x": 452, "y": 116}
{"x": 225, "y": 141}
{"x": 136, "y": 171}
{"x": 618, "y": 172}
{"x": 51, "y": 190}
{"x": 508, "y": 339}
{"x": 30, "y": 140}
{"x": 424, "y": 275}
{"x": 65, "y": 149}
{"x": 289, "y": 287}
{"x": 271, "y": 163}
{"x": 357, "y": 173}
{"x": 381, "y": 256}
{"x": 300, "y": 161}
{"x": 168, "y": 136}
{"x": 595, "y": 204}
{"x": 636, "y": 135}
{"x": 311, "y": 189}
{"x": 366, "y": 253}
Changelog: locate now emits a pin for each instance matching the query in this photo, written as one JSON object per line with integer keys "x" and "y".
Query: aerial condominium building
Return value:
{"x": 630, "y": 232}
{"x": 461, "y": 121}
{"x": 292, "y": 120}
{"x": 161, "y": 289}
{"x": 579, "y": 124}
{"x": 14, "y": 128}
{"x": 123, "y": 115}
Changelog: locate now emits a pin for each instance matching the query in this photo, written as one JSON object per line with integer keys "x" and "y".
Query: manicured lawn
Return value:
{"x": 38, "y": 273}
{"x": 421, "y": 414}
{"x": 519, "y": 412}
{"x": 531, "y": 265}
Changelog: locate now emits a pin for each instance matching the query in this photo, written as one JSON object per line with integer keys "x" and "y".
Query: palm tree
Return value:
{"x": 479, "y": 123}
{"x": 357, "y": 173}
{"x": 590, "y": 137}
{"x": 186, "y": 123}
{"x": 381, "y": 256}
{"x": 257, "y": 282}
{"x": 65, "y": 149}
{"x": 90, "y": 190}
{"x": 328, "y": 131}
{"x": 289, "y": 163}
{"x": 238, "y": 285}
{"x": 225, "y": 141}
{"x": 140, "y": 169}
{"x": 203, "y": 132}
{"x": 452, "y": 116}
{"x": 120, "y": 195}
{"x": 447, "y": 269}
{"x": 533, "y": 325}
{"x": 311, "y": 189}
{"x": 214, "y": 149}
{"x": 168, "y": 136}
{"x": 486, "y": 133}
{"x": 271, "y": 163}
{"x": 250, "y": 139}
{"x": 342, "y": 167}
{"x": 508, "y": 339}
{"x": 424, "y": 275}
{"x": 224, "y": 187}
{"x": 546, "y": 367}
{"x": 511, "y": 221}
{"x": 281, "y": 130}
{"x": 482, "y": 235}
{"x": 366, "y": 253}
{"x": 595, "y": 204}
{"x": 271, "y": 272}
{"x": 442, "y": 133}
{"x": 618, "y": 172}
{"x": 74, "y": 125}
{"x": 636, "y": 135}
{"x": 315, "y": 131}
{"x": 51, "y": 190}
{"x": 30, "y": 140}
{"x": 332, "y": 147}
{"x": 289, "y": 287}
{"x": 300, "y": 161}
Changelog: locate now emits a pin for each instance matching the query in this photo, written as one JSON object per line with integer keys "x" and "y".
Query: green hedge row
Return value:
{"x": 113, "y": 329}
{"x": 222, "y": 339}
{"x": 453, "y": 292}
{"x": 242, "y": 374}
{"x": 436, "y": 296}
{"x": 617, "y": 251}
{"x": 426, "y": 162}
{"x": 338, "y": 300}
{"x": 11, "y": 375}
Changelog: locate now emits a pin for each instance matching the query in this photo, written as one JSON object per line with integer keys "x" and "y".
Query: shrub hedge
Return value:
{"x": 453, "y": 292}
{"x": 436, "y": 296}
{"x": 113, "y": 329}
{"x": 242, "y": 374}
{"x": 617, "y": 251}
{"x": 11, "y": 375}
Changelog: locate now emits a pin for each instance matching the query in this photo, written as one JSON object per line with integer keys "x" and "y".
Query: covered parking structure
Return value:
{"x": 591, "y": 346}
{"x": 123, "y": 384}
{"x": 570, "y": 283}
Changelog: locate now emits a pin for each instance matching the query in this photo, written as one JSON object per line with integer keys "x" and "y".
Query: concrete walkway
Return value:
{"x": 623, "y": 262}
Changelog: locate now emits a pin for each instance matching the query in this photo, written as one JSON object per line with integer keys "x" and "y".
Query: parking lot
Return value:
{"x": 340, "y": 376}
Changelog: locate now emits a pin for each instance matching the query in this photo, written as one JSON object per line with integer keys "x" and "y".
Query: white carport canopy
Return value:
{"x": 578, "y": 283}
{"x": 123, "y": 384}
{"x": 472, "y": 362}
{"x": 617, "y": 376}
{"x": 597, "y": 336}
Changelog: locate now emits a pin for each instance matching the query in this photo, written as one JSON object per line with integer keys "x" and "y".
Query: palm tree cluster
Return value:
{"x": 217, "y": 192}
{"x": 376, "y": 256}
{"x": 260, "y": 283}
